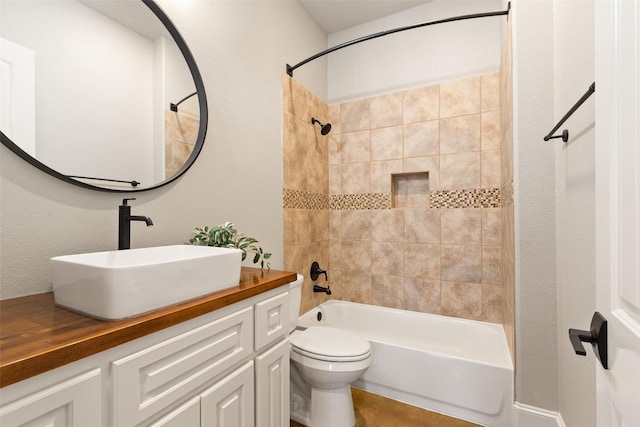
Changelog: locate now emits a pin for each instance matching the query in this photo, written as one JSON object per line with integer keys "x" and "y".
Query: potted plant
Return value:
{"x": 226, "y": 236}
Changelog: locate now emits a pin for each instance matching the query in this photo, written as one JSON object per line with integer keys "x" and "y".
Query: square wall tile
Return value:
{"x": 460, "y": 97}
{"x": 388, "y": 225}
{"x": 462, "y": 263}
{"x": 490, "y": 130}
{"x": 489, "y": 92}
{"x": 460, "y": 171}
{"x": 461, "y": 299}
{"x": 335, "y": 119}
{"x": 387, "y": 259}
{"x": 356, "y": 225}
{"x": 491, "y": 226}
{"x": 491, "y": 265}
{"x": 461, "y": 226}
{"x": 386, "y": 143}
{"x": 422, "y": 225}
{"x": 491, "y": 303}
{"x": 355, "y": 178}
{"x": 356, "y": 147}
{"x": 356, "y": 287}
{"x": 421, "y": 139}
{"x": 387, "y": 291}
{"x": 422, "y": 260}
{"x": 381, "y": 175}
{"x": 354, "y": 116}
{"x": 356, "y": 258}
{"x": 490, "y": 169}
{"x": 335, "y": 179}
{"x": 421, "y": 294}
{"x": 422, "y": 104}
{"x": 386, "y": 110}
{"x": 460, "y": 134}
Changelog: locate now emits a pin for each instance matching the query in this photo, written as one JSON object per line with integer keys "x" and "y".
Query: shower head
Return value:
{"x": 324, "y": 129}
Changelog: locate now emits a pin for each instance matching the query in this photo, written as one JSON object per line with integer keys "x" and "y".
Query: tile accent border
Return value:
{"x": 474, "y": 198}
{"x": 360, "y": 201}
{"x": 296, "y": 199}
{"x": 443, "y": 199}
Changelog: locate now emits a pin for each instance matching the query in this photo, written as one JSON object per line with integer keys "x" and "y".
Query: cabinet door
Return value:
{"x": 186, "y": 415}
{"x": 151, "y": 380}
{"x": 74, "y": 402}
{"x": 229, "y": 403}
{"x": 272, "y": 320}
{"x": 272, "y": 386}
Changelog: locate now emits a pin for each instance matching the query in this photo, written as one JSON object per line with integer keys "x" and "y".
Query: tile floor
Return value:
{"x": 376, "y": 411}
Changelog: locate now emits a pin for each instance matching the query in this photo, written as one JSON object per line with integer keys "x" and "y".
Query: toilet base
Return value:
{"x": 332, "y": 408}
{"x": 326, "y": 408}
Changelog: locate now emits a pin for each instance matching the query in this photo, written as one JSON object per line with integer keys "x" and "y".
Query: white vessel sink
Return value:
{"x": 118, "y": 284}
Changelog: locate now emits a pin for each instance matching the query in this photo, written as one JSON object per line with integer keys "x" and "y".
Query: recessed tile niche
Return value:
{"x": 410, "y": 190}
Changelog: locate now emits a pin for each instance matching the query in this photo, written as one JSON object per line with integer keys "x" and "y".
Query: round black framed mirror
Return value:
{"x": 109, "y": 97}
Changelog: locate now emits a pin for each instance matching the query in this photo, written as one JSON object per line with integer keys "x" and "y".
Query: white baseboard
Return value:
{"x": 530, "y": 416}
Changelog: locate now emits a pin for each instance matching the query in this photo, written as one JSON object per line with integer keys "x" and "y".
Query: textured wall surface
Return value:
{"x": 575, "y": 199}
{"x": 238, "y": 176}
{"x": 534, "y": 206}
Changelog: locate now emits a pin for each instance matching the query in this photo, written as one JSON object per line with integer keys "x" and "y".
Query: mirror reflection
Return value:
{"x": 87, "y": 88}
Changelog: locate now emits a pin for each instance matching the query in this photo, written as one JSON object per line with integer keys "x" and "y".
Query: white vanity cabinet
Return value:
{"x": 272, "y": 361}
{"x": 227, "y": 368}
{"x": 74, "y": 401}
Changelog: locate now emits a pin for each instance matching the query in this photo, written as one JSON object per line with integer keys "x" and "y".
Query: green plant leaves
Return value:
{"x": 226, "y": 236}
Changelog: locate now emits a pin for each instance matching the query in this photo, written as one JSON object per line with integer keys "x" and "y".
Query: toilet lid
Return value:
{"x": 326, "y": 343}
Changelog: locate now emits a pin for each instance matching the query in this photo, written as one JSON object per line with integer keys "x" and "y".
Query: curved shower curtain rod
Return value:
{"x": 291, "y": 68}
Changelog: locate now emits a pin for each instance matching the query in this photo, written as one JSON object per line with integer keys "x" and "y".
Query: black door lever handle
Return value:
{"x": 597, "y": 336}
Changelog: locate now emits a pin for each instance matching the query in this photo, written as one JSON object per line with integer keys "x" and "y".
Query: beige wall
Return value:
{"x": 430, "y": 245}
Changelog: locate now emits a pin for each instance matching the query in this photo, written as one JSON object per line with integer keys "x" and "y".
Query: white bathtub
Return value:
{"x": 457, "y": 367}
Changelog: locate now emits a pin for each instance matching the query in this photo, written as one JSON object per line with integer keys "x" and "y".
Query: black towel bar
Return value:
{"x": 565, "y": 133}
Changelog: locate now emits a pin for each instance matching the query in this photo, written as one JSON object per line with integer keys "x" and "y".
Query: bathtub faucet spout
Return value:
{"x": 317, "y": 288}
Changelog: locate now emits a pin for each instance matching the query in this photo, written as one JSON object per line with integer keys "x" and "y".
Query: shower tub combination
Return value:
{"x": 461, "y": 368}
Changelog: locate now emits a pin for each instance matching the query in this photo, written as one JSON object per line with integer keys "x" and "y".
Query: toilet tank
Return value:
{"x": 295, "y": 296}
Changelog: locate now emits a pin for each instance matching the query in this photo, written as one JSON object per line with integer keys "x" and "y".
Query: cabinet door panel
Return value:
{"x": 74, "y": 402}
{"x": 186, "y": 415}
{"x": 272, "y": 386}
{"x": 272, "y": 320}
{"x": 149, "y": 381}
{"x": 229, "y": 403}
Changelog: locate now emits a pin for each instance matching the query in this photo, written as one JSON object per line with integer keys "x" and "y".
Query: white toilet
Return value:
{"x": 324, "y": 363}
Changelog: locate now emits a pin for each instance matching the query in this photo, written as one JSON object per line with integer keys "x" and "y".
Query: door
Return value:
{"x": 272, "y": 386}
{"x": 229, "y": 402}
{"x": 618, "y": 207}
{"x": 73, "y": 402}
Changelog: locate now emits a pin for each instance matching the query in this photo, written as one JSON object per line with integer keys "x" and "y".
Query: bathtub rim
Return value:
{"x": 506, "y": 363}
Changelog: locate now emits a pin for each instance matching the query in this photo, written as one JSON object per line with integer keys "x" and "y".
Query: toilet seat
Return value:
{"x": 330, "y": 345}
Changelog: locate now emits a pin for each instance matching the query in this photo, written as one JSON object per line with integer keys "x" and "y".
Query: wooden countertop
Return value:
{"x": 36, "y": 336}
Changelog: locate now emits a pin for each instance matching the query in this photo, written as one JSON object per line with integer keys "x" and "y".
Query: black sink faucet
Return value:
{"x": 124, "y": 224}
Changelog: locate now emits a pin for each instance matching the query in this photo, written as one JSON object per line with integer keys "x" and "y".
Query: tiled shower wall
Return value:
{"x": 507, "y": 219}
{"x": 431, "y": 244}
{"x": 180, "y": 136}
{"x": 414, "y": 183}
{"x": 305, "y": 186}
